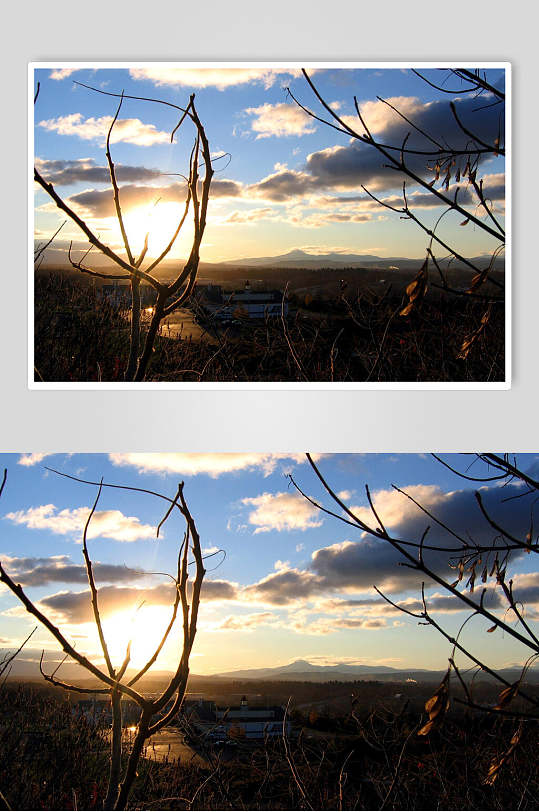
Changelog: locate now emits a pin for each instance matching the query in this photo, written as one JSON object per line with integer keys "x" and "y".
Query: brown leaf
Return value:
{"x": 506, "y": 696}
{"x": 426, "y": 729}
{"x": 436, "y": 706}
{"x": 498, "y": 762}
{"x": 407, "y": 310}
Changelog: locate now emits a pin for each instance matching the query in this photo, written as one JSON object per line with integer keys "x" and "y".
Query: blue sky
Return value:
{"x": 289, "y": 582}
{"x": 287, "y": 181}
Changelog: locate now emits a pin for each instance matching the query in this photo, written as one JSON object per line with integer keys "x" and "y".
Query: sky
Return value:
{"x": 283, "y": 181}
{"x": 284, "y": 580}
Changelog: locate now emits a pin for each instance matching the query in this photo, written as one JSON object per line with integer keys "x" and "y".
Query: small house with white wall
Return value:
{"x": 241, "y": 722}
{"x": 241, "y": 304}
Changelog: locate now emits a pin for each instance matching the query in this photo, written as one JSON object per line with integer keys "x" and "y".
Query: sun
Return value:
{"x": 144, "y": 627}
{"x": 158, "y": 220}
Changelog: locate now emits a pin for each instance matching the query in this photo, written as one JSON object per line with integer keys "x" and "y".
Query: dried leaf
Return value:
{"x": 426, "y": 729}
{"x": 436, "y": 706}
{"x": 506, "y": 696}
{"x": 407, "y": 310}
{"x": 417, "y": 289}
{"x": 468, "y": 343}
{"x": 498, "y": 762}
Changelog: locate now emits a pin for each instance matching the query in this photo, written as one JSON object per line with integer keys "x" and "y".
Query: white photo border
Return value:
{"x": 272, "y": 385}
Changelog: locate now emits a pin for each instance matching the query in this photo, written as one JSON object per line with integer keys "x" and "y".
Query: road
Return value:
{"x": 169, "y": 744}
{"x": 181, "y": 324}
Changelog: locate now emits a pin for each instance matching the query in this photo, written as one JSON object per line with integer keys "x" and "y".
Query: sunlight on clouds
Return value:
{"x": 110, "y": 524}
{"x": 31, "y": 459}
{"x": 128, "y": 130}
{"x": 246, "y": 623}
{"x": 221, "y": 78}
{"x": 212, "y": 464}
{"x": 61, "y": 73}
{"x": 279, "y": 120}
{"x": 379, "y": 117}
{"x": 249, "y": 217}
{"x": 323, "y": 626}
{"x": 393, "y": 507}
{"x": 281, "y": 511}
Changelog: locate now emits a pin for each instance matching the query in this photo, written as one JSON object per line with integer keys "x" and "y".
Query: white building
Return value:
{"x": 240, "y": 722}
{"x": 241, "y": 304}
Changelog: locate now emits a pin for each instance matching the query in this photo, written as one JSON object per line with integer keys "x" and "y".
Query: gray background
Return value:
{"x": 268, "y": 420}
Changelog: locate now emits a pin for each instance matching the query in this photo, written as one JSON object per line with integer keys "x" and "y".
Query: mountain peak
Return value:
{"x": 297, "y": 665}
{"x": 298, "y": 252}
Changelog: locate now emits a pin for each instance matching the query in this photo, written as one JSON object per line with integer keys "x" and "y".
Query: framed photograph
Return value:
{"x": 246, "y": 638}
{"x": 269, "y": 225}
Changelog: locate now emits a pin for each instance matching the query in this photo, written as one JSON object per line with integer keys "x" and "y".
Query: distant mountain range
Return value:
{"x": 56, "y": 257}
{"x": 302, "y": 259}
{"x": 26, "y": 667}
{"x": 302, "y": 670}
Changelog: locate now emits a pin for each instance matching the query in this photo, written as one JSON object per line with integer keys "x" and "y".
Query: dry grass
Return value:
{"x": 51, "y": 759}
{"x": 78, "y": 337}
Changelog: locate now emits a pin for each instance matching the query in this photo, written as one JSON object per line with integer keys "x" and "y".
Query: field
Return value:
{"x": 343, "y": 326}
{"x": 368, "y": 756}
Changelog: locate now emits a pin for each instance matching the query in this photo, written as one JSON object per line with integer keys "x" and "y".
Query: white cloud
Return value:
{"x": 380, "y": 117}
{"x": 394, "y": 508}
{"x": 249, "y": 217}
{"x": 61, "y": 73}
{"x": 31, "y": 459}
{"x": 212, "y": 464}
{"x": 129, "y": 130}
{"x": 281, "y": 511}
{"x": 280, "y": 120}
{"x": 324, "y": 626}
{"x": 344, "y": 495}
{"x": 319, "y": 220}
{"x": 105, "y": 523}
{"x": 245, "y": 623}
{"x": 220, "y": 78}
{"x": 210, "y": 550}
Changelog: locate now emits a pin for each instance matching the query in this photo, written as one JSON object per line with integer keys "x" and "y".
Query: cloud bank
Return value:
{"x": 128, "y": 130}
{"x": 111, "y": 524}
{"x": 213, "y": 465}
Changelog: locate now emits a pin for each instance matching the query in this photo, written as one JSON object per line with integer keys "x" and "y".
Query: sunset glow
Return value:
{"x": 283, "y": 181}
{"x": 284, "y": 580}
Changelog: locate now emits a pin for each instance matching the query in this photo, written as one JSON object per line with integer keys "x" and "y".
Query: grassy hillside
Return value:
{"x": 363, "y": 758}
{"x": 353, "y": 335}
